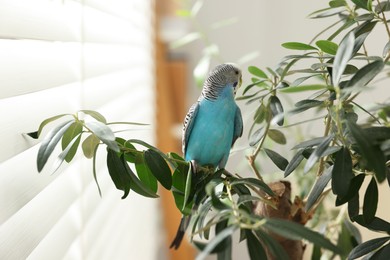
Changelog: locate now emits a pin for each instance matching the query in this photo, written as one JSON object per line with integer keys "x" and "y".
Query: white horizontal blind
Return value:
{"x": 59, "y": 57}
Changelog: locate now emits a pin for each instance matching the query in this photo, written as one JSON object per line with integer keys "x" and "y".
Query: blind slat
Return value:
{"x": 23, "y": 114}
{"x": 27, "y": 66}
{"x": 29, "y": 225}
{"x": 60, "y": 56}
{"x": 40, "y": 19}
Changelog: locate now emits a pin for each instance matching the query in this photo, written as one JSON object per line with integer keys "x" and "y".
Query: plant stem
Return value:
{"x": 252, "y": 157}
{"x": 236, "y": 212}
{"x": 384, "y": 20}
{"x": 326, "y": 133}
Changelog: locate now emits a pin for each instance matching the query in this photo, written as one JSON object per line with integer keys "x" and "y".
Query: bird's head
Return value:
{"x": 223, "y": 76}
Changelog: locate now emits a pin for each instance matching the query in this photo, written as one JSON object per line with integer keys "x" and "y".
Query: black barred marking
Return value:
{"x": 218, "y": 78}
{"x": 187, "y": 126}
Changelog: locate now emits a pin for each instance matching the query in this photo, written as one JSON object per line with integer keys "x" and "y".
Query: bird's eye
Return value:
{"x": 235, "y": 84}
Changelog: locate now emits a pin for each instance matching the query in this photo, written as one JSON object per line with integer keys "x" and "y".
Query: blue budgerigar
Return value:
{"x": 212, "y": 125}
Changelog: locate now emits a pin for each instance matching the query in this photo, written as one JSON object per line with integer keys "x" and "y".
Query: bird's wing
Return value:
{"x": 188, "y": 124}
{"x": 238, "y": 125}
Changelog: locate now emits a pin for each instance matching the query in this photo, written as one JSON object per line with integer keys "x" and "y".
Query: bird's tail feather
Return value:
{"x": 184, "y": 222}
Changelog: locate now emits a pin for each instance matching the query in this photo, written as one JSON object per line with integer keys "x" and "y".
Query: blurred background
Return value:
{"x": 126, "y": 59}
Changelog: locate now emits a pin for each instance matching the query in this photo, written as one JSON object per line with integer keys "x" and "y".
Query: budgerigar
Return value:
{"x": 212, "y": 125}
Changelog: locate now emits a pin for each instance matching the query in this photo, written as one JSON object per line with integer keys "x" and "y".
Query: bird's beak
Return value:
{"x": 240, "y": 82}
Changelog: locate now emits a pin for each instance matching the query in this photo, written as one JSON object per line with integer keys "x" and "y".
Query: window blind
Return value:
{"x": 59, "y": 57}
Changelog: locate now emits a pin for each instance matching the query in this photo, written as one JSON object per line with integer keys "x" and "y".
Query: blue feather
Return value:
{"x": 215, "y": 127}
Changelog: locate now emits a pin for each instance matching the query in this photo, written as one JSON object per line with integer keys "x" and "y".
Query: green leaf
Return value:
{"x": 365, "y": 74}
{"x": 179, "y": 180}
{"x": 367, "y": 247}
{"x": 224, "y": 248}
{"x": 145, "y": 176}
{"x": 255, "y": 248}
{"x": 159, "y": 168}
{"x": 300, "y": 88}
{"x": 254, "y": 182}
{"x": 377, "y": 224}
{"x": 310, "y": 143}
{"x": 187, "y": 187}
{"x": 353, "y": 189}
{"x": 298, "y": 46}
{"x": 179, "y": 161}
{"x": 345, "y": 240}
{"x": 200, "y": 71}
{"x": 370, "y": 201}
{"x": 89, "y": 145}
{"x": 360, "y": 3}
{"x": 186, "y": 39}
{"x": 382, "y": 254}
{"x": 61, "y": 157}
{"x": 343, "y": 55}
{"x": 272, "y": 245}
{"x": 369, "y": 5}
{"x": 196, "y": 7}
{"x": 74, "y": 130}
{"x": 277, "y": 136}
{"x": 136, "y": 185}
{"x": 151, "y": 147}
{"x": 370, "y": 152}
{"x": 294, "y": 231}
{"x": 183, "y": 13}
{"x": 227, "y": 232}
{"x": 257, "y": 72}
{"x": 318, "y": 152}
{"x": 386, "y": 49}
{"x": 326, "y": 12}
{"x": 49, "y": 143}
{"x": 277, "y": 159}
{"x": 300, "y": 80}
{"x": 276, "y": 109}
{"x": 118, "y": 172}
{"x": 337, "y": 3}
{"x": 342, "y": 172}
{"x": 353, "y": 207}
{"x": 327, "y": 46}
{"x": 131, "y": 154}
{"x": 258, "y": 83}
{"x": 347, "y": 23}
{"x": 383, "y": 6}
{"x": 104, "y": 133}
{"x": 377, "y": 133}
{"x": 361, "y": 33}
{"x": 202, "y": 214}
{"x": 316, "y": 253}
{"x": 260, "y": 114}
{"x": 99, "y": 117}
{"x": 294, "y": 163}
{"x": 365, "y": 17}
{"x": 305, "y": 104}
{"x": 318, "y": 188}
{"x": 354, "y": 231}
{"x": 36, "y": 134}
{"x": 94, "y": 170}
{"x": 246, "y": 198}
{"x": 256, "y": 136}
{"x": 215, "y": 199}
